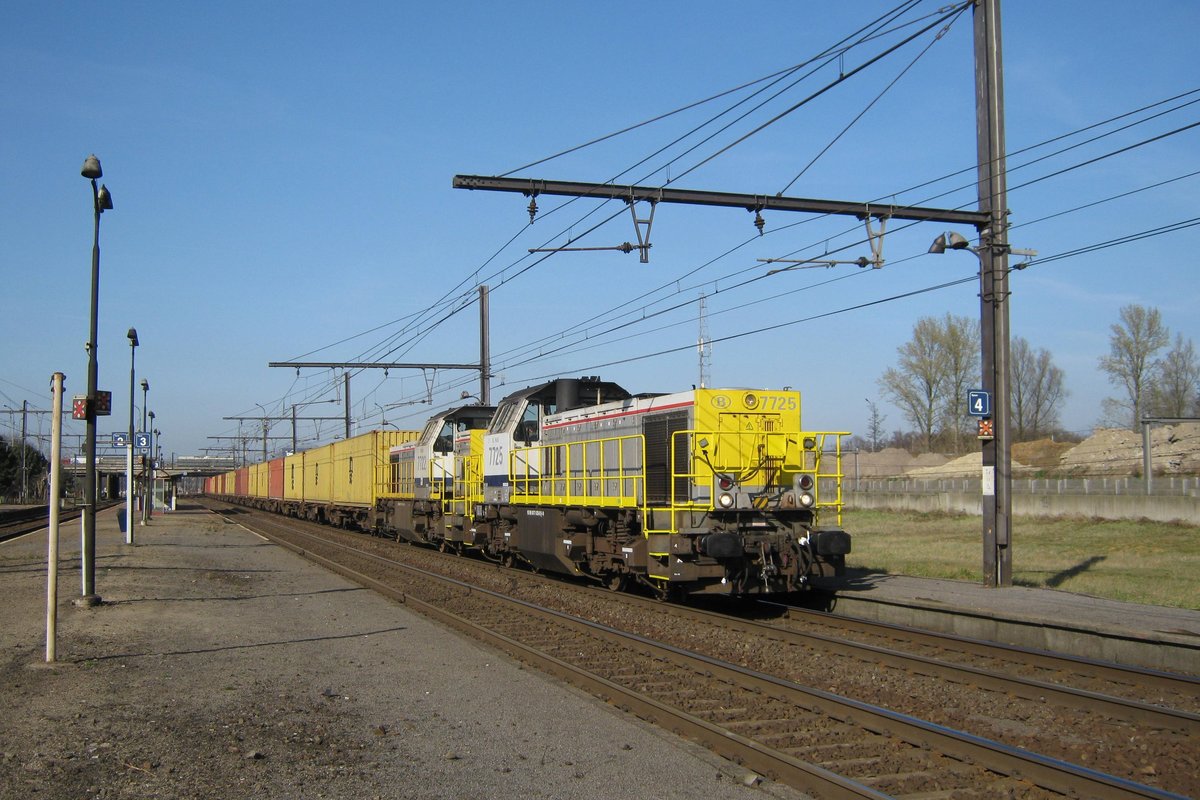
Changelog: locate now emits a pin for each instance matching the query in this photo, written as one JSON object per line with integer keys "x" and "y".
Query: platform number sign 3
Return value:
{"x": 979, "y": 403}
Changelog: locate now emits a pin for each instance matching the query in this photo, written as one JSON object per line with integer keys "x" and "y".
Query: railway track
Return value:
{"x": 1151, "y": 687}
{"x": 19, "y": 522}
{"x": 757, "y": 712}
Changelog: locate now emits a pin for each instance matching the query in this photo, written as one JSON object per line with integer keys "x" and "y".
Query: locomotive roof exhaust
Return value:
{"x": 566, "y": 394}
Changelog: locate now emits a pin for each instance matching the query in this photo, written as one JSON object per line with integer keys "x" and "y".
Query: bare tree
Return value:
{"x": 1130, "y": 361}
{"x": 875, "y": 431}
{"x": 959, "y": 339}
{"x": 915, "y": 384}
{"x": 1037, "y": 391}
{"x": 1173, "y": 391}
{"x": 930, "y": 381}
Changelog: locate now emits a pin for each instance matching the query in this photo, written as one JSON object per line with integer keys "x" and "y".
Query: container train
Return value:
{"x": 701, "y": 491}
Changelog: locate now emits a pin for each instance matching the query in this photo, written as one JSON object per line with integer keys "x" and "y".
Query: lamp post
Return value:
{"x": 133, "y": 344}
{"x": 145, "y": 401}
{"x": 148, "y": 509}
{"x": 101, "y": 202}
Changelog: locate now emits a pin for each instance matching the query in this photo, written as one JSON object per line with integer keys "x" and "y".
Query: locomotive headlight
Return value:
{"x": 724, "y": 482}
{"x": 806, "y": 500}
{"x": 806, "y": 483}
{"x": 750, "y": 400}
{"x": 725, "y": 500}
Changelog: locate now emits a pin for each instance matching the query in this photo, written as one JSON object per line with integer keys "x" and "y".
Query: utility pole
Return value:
{"x": 990, "y": 223}
{"x": 24, "y": 433}
{"x": 485, "y": 350}
{"x": 993, "y": 296}
{"x": 1147, "y": 452}
{"x": 25, "y": 412}
{"x": 346, "y": 381}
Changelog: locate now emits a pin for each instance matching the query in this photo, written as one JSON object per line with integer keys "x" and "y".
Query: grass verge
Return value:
{"x": 1154, "y": 563}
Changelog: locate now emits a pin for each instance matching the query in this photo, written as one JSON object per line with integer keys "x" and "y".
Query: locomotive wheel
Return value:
{"x": 617, "y": 581}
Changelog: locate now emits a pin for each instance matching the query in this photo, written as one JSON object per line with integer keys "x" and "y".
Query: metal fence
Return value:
{"x": 1161, "y": 486}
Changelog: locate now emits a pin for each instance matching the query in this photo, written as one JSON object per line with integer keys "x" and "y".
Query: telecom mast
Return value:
{"x": 704, "y": 346}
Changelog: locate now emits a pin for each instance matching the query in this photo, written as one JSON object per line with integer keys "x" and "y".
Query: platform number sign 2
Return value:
{"x": 979, "y": 403}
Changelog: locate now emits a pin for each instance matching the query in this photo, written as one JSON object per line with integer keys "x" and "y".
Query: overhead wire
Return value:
{"x": 942, "y": 19}
{"x": 646, "y": 313}
{"x": 1130, "y": 238}
{"x": 1102, "y": 245}
{"x": 868, "y": 107}
{"x": 873, "y": 28}
{"x": 879, "y": 21}
{"x": 675, "y": 281}
{"x": 591, "y": 342}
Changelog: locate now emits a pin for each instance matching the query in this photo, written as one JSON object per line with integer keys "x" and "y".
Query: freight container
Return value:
{"x": 275, "y": 479}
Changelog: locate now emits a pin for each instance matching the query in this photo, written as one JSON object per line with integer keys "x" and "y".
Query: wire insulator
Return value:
{"x": 533, "y": 209}
{"x": 759, "y": 222}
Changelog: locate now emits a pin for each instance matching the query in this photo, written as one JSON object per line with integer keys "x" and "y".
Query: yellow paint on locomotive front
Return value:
{"x": 754, "y": 435}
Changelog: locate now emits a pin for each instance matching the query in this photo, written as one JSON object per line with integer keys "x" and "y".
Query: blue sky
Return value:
{"x": 282, "y": 184}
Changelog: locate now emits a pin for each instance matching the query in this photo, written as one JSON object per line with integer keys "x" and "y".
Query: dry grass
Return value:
{"x": 1136, "y": 561}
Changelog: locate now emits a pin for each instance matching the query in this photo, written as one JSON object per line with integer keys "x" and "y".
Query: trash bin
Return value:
{"x": 121, "y": 519}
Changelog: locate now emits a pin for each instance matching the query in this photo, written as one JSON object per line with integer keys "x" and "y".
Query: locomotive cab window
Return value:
{"x": 445, "y": 438}
{"x": 527, "y": 428}
{"x": 504, "y": 416}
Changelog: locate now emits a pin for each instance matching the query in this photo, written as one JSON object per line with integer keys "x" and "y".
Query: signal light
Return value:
{"x": 724, "y": 482}
{"x": 806, "y": 482}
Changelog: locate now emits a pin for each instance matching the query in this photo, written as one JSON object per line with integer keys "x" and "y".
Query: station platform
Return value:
{"x": 1153, "y": 637}
{"x": 220, "y": 666}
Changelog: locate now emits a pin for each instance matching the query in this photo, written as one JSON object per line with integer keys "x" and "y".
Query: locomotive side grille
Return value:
{"x": 659, "y": 430}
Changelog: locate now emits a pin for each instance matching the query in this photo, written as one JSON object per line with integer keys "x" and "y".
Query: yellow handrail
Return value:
{"x": 592, "y": 470}
{"x": 602, "y": 471}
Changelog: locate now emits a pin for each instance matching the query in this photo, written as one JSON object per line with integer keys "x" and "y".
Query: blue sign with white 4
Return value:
{"x": 979, "y": 403}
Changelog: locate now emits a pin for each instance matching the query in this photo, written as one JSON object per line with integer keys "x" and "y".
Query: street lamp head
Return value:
{"x": 91, "y": 168}
{"x": 949, "y": 241}
{"x": 145, "y": 385}
{"x": 103, "y": 199}
{"x": 151, "y": 418}
{"x": 132, "y": 336}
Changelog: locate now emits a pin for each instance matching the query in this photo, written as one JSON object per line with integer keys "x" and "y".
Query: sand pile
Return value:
{"x": 1174, "y": 450}
{"x": 889, "y": 462}
{"x": 968, "y": 466}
